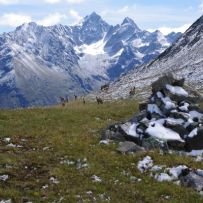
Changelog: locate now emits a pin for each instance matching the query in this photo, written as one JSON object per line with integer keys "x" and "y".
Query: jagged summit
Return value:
{"x": 157, "y": 32}
{"x": 25, "y": 26}
{"x": 93, "y": 16}
{"x": 130, "y": 22}
{"x": 184, "y": 58}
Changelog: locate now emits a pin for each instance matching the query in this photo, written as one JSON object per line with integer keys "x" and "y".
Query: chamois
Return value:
{"x": 99, "y": 100}
{"x": 63, "y": 101}
{"x": 76, "y": 97}
{"x": 132, "y": 91}
{"x": 83, "y": 100}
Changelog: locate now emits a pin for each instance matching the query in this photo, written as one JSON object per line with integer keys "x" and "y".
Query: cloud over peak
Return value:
{"x": 52, "y": 19}
{"x": 14, "y": 19}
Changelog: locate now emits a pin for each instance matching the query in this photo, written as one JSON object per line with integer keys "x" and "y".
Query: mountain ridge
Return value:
{"x": 184, "y": 58}
{"x": 40, "y": 64}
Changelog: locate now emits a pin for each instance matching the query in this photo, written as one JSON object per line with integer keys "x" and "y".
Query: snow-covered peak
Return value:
{"x": 159, "y": 37}
{"x": 92, "y": 17}
{"x": 26, "y": 26}
{"x": 129, "y": 22}
{"x": 91, "y": 29}
{"x": 94, "y": 20}
{"x": 158, "y": 32}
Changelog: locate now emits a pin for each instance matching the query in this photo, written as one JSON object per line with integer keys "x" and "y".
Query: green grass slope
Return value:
{"x": 51, "y": 141}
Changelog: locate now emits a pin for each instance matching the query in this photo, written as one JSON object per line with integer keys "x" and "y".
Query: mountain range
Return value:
{"x": 40, "y": 64}
{"x": 184, "y": 58}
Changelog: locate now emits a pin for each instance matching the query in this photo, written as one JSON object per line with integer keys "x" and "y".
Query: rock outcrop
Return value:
{"x": 170, "y": 118}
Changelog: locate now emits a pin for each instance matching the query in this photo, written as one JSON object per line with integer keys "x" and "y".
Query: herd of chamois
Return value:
{"x": 65, "y": 100}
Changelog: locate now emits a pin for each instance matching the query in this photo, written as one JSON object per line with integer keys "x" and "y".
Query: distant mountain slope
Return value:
{"x": 39, "y": 64}
{"x": 184, "y": 58}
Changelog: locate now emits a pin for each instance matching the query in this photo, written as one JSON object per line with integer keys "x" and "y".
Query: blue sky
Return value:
{"x": 170, "y": 15}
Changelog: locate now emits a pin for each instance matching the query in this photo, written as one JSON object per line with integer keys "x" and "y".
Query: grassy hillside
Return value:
{"x": 57, "y": 152}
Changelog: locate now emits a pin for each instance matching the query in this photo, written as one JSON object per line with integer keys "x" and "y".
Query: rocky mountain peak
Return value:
{"x": 27, "y": 26}
{"x": 92, "y": 29}
{"x": 94, "y": 20}
{"x": 130, "y": 24}
{"x": 93, "y": 16}
{"x": 129, "y": 21}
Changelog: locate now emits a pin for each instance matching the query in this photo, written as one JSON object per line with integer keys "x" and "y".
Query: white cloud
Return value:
{"x": 52, "y": 19}
{"x": 123, "y": 10}
{"x": 52, "y": 1}
{"x": 75, "y": 16}
{"x": 14, "y": 20}
{"x": 166, "y": 30}
{"x": 8, "y": 2}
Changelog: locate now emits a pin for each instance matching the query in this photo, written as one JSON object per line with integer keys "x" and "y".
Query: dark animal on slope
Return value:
{"x": 63, "y": 101}
{"x": 83, "y": 100}
{"x": 99, "y": 100}
{"x": 76, "y": 97}
{"x": 132, "y": 91}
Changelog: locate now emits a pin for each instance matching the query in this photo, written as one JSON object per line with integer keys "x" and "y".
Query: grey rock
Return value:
{"x": 179, "y": 82}
{"x": 179, "y": 115}
{"x": 112, "y": 133}
{"x": 144, "y": 124}
{"x": 194, "y": 96}
{"x": 192, "y": 180}
{"x": 126, "y": 147}
{"x": 153, "y": 143}
{"x": 192, "y": 126}
{"x": 164, "y": 109}
{"x": 180, "y": 129}
{"x": 176, "y": 145}
{"x": 161, "y": 83}
{"x": 196, "y": 142}
{"x": 156, "y": 116}
{"x": 158, "y": 102}
{"x": 138, "y": 117}
{"x": 175, "y": 97}
{"x": 142, "y": 106}
{"x": 196, "y": 107}
{"x": 125, "y": 127}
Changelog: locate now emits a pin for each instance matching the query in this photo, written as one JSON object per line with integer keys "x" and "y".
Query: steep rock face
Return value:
{"x": 39, "y": 64}
{"x": 120, "y": 47}
{"x": 184, "y": 58}
{"x": 92, "y": 29}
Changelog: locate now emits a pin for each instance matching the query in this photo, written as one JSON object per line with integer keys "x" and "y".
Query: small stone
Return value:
{"x": 4, "y": 177}
{"x": 104, "y": 142}
{"x": 54, "y": 180}
{"x": 96, "y": 179}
